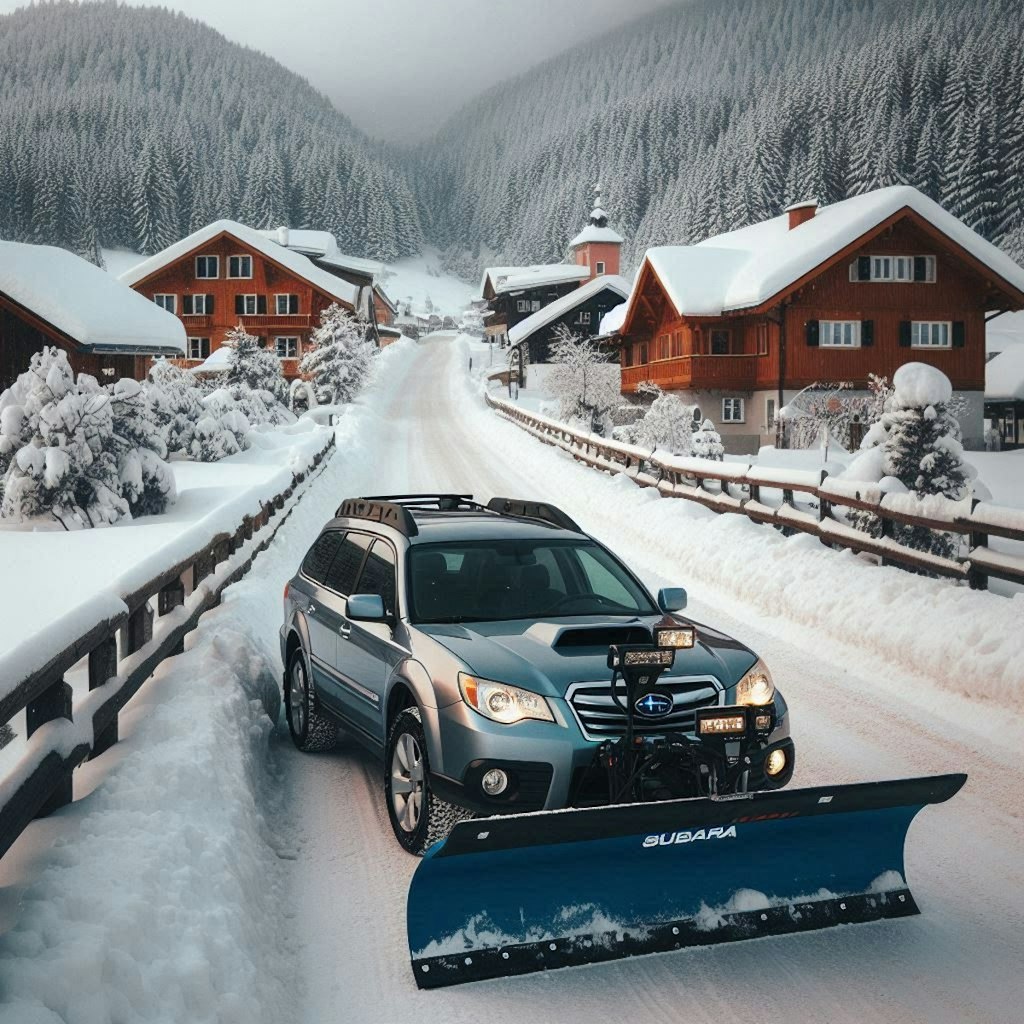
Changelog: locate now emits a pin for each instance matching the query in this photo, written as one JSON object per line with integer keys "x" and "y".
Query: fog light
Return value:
{"x": 776, "y": 762}
{"x": 763, "y": 722}
{"x": 494, "y": 782}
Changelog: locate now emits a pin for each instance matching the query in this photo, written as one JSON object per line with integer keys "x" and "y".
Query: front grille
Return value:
{"x": 599, "y": 717}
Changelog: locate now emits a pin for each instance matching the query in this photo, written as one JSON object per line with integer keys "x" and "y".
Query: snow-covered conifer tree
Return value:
{"x": 175, "y": 402}
{"x": 341, "y": 358}
{"x": 253, "y": 366}
{"x": 707, "y": 442}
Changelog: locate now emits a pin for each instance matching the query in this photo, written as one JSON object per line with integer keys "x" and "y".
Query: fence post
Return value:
{"x": 976, "y": 578}
{"x": 53, "y": 703}
{"x": 170, "y": 597}
{"x": 103, "y": 666}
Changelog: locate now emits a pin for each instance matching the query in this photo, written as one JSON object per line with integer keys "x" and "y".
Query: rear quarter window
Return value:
{"x": 341, "y": 577}
{"x": 318, "y": 560}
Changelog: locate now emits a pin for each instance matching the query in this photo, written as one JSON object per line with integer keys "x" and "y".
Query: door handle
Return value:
{"x": 311, "y": 609}
{"x": 345, "y": 630}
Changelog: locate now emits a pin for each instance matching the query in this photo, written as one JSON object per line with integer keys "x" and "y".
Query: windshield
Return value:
{"x": 485, "y": 581}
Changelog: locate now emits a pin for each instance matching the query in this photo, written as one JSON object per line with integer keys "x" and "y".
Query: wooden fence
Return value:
{"x": 737, "y": 487}
{"x": 122, "y": 654}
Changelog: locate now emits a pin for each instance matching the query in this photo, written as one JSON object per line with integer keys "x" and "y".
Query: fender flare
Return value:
{"x": 412, "y": 675}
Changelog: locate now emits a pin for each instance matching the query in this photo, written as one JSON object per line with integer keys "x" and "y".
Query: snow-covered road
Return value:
{"x": 318, "y": 935}
{"x": 959, "y": 961}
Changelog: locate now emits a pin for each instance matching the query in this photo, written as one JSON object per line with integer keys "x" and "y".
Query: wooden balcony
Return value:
{"x": 696, "y": 372}
{"x": 279, "y": 321}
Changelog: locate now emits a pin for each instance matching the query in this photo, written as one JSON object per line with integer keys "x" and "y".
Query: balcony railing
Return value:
{"x": 739, "y": 371}
{"x": 284, "y": 321}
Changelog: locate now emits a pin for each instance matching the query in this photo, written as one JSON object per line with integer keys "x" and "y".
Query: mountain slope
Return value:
{"x": 713, "y": 114}
{"x": 130, "y": 127}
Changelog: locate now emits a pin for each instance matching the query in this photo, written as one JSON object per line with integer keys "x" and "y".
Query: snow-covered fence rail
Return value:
{"x": 121, "y": 653}
{"x": 737, "y": 487}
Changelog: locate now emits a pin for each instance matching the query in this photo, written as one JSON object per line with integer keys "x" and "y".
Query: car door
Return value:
{"x": 367, "y": 651}
{"x": 323, "y": 633}
{"x": 330, "y": 617}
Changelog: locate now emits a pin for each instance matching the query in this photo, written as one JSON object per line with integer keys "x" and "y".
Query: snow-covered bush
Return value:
{"x": 216, "y": 437}
{"x": 341, "y": 357}
{"x": 915, "y": 448}
{"x": 585, "y": 383}
{"x": 668, "y": 425}
{"x": 176, "y": 403}
{"x": 707, "y": 442}
{"x": 252, "y": 365}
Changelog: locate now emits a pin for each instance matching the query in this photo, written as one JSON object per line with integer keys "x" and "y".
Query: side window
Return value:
{"x": 342, "y": 575}
{"x": 378, "y": 575}
{"x": 320, "y": 556}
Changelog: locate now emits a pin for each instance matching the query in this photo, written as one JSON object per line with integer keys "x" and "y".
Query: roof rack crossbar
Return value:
{"x": 441, "y": 502}
{"x": 522, "y": 509}
{"x": 386, "y": 512}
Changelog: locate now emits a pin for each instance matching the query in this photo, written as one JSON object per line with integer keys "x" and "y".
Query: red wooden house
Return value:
{"x": 228, "y": 274}
{"x": 740, "y": 323}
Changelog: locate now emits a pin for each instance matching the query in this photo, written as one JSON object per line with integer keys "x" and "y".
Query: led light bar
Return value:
{"x": 679, "y": 637}
{"x": 723, "y": 725}
{"x": 642, "y": 658}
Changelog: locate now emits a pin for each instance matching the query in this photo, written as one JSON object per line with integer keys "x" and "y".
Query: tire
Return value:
{"x": 418, "y": 817}
{"x": 311, "y": 732}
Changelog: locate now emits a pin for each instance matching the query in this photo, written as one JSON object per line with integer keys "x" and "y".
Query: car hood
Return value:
{"x": 547, "y": 657}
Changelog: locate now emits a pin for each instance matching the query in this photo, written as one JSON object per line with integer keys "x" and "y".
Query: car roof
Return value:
{"x": 440, "y": 527}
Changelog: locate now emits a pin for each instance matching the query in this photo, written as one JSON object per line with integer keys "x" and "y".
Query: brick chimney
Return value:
{"x": 800, "y": 213}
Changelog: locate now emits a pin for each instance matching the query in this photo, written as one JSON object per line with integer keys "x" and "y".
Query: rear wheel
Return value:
{"x": 310, "y": 731}
{"x": 418, "y": 817}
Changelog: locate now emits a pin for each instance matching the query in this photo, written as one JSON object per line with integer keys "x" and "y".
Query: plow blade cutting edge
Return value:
{"x": 532, "y": 892}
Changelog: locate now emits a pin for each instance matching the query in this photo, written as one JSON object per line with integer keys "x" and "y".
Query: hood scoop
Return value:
{"x": 600, "y": 636}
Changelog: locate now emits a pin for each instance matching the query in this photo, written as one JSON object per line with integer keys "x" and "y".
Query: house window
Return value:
{"x": 732, "y": 410}
{"x": 664, "y": 349}
{"x": 839, "y": 333}
{"x": 286, "y": 305}
{"x": 627, "y": 355}
{"x": 769, "y": 415}
{"x": 239, "y": 266}
{"x": 720, "y": 343}
{"x": 196, "y": 305}
{"x": 207, "y": 266}
{"x": 762, "y": 340}
{"x": 287, "y": 348}
{"x": 535, "y": 305}
{"x": 642, "y": 361}
{"x": 522, "y": 305}
{"x": 893, "y": 268}
{"x": 600, "y": 267}
{"x": 677, "y": 344}
{"x": 198, "y": 348}
{"x": 168, "y": 302}
{"x": 246, "y": 305}
{"x": 926, "y": 334}
{"x": 583, "y": 318}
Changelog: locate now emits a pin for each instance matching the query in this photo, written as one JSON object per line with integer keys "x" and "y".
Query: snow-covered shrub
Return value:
{"x": 668, "y": 425}
{"x": 915, "y": 448}
{"x": 254, "y": 366}
{"x": 139, "y": 446}
{"x": 217, "y": 436}
{"x": 585, "y": 383}
{"x": 341, "y": 357}
{"x": 176, "y": 403}
{"x": 707, "y": 442}
{"x": 66, "y": 465}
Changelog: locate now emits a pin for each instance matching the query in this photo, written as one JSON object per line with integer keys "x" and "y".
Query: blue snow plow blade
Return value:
{"x": 533, "y": 892}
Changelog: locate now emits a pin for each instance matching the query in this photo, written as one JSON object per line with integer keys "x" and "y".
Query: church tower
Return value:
{"x": 597, "y": 246}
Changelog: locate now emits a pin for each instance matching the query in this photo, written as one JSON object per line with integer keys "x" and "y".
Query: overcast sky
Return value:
{"x": 399, "y": 67}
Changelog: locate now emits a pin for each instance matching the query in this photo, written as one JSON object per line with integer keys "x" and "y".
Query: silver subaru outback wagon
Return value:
{"x": 467, "y": 645}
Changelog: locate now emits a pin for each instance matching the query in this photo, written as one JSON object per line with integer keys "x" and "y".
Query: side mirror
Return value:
{"x": 672, "y": 599}
{"x": 366, "y": 607}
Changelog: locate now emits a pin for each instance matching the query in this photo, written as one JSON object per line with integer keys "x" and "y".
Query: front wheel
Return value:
{"x": 310, "y": 731}
{"x": 418, "y": 817}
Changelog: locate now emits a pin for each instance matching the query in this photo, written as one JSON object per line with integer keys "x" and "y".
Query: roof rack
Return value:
{"x": 533, "y": 510}
{"x": 435, "y": 502}
{"x": 388, "y": 513}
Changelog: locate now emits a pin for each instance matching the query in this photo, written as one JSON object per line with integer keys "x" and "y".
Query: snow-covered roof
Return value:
{"x": 322, "y": 246}
{"x": 298, "y": 264}
{"x": 514, "y": 279}
{"x": 553, "y": 310}
{"x": 747, "y": 267}
{"x": 614, "y": 318}
{"x": 85, "y": 303}
{"x": 216, "y": 362}
{"x": 593, "y": 233}
{"x": 1004, "y": 375}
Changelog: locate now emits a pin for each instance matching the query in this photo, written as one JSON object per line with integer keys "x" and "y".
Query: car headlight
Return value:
{"x": 756, "y": 687}
{"x": 503, "y": 703}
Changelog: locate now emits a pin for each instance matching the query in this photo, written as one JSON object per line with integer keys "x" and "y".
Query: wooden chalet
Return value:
{"x": 1004, "y": 395}
{"x": 740, "y": 323}
{"x": 49, "y": 296}
{"x": 228, "y": 274}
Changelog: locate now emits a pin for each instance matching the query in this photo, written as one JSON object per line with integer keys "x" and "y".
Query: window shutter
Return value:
{"x": 293, "y": 303}
{"x": 209, "y": 305}
{"x": 959, "y": 334}
{"x": 261, "y": 305}
{"x": 905, "y": 334}
{"x": 812, "y": 333}
{"x": 239, "y": 305}
{"x": 863, "y": 268}
{"x": 867, "y": 333}
{"x": 920, "y": 268}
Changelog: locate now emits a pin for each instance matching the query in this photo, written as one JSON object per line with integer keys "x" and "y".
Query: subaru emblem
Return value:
{"x": 654, "y": 705}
